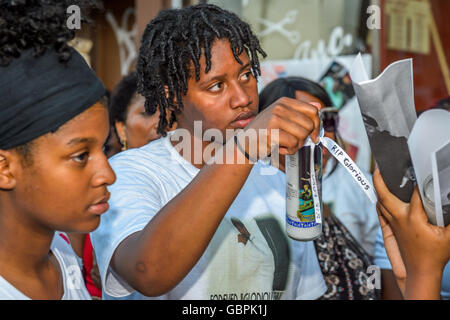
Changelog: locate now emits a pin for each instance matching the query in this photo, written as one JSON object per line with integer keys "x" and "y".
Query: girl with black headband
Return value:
{"x": 185, "y": 229}
{"x": 53, "y": 172}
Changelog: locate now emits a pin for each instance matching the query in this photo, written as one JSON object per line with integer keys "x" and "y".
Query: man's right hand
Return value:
{"x": 293, "y": 119}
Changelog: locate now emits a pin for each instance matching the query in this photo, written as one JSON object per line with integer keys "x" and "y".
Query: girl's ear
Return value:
{"x": 8, "y": 164}
{"x": 121, "y": 131}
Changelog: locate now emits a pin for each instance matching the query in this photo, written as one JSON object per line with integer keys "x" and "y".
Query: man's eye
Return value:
{"x": 216, "y": 87}
{"x": 246, "y": 76}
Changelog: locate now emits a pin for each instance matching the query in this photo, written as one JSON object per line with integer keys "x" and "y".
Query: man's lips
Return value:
{"x": 100, "y": 206}
{"x": 243, "y": 119}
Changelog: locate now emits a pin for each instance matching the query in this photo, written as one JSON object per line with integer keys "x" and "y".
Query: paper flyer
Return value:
{"x": 387, "y": 107}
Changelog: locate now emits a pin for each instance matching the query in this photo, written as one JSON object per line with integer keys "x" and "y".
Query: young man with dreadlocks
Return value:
{"x": 182, "y": 229}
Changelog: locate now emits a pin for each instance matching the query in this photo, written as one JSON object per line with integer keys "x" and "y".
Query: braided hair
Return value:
{"x": 38, "y": 25}
{"x": 175, "y": 40}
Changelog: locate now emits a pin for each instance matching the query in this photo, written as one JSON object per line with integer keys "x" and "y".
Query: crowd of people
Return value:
{"x": 98, "y": 200}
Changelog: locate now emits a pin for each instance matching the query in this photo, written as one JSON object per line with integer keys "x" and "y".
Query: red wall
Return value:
{"x": 429, "y": 84}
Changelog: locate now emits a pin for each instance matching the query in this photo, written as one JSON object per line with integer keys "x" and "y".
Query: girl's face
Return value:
{"x": 224, "y": 98}
{"x": 139, "y": 127}
{"x": 65, "y": 186}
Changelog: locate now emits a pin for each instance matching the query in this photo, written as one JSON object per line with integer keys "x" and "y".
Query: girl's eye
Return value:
{"x": 81, "y": 158}
{"x": 216, "y": 87}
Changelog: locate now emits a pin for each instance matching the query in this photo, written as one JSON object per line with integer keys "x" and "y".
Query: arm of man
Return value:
{"x": 150, "y": 261}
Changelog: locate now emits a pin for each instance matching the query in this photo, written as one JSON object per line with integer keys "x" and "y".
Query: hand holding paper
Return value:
{"x": 406, "y": 150}
{"x": 418, "y": 251}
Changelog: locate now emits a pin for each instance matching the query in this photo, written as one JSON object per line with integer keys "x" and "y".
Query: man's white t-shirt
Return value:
{"x": 350, "y": 205}
{"x": 249, "y": 256}
{"x": 74, "y": 287}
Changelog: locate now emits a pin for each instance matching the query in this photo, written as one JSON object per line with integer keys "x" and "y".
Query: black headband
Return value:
{"x": 38, "y": 95}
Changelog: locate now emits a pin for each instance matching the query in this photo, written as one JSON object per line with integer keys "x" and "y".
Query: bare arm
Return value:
{"x": 390, "y": 289}
{"x": 157, "y": 258}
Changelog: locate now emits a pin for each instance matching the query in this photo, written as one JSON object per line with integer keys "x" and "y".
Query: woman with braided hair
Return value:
{"x": 208, "y": 227}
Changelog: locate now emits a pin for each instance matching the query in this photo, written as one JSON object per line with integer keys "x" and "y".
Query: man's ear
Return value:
{"x": 166, "y": 91}
{"x": 174, "y": 125}
{"x": 9, "y": 162}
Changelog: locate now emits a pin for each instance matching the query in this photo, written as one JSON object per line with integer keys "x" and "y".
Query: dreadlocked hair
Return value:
{"x": 175, "y": 39}
{"x": 37, "y": 25}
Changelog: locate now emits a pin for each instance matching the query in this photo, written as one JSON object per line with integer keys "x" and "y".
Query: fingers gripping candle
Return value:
{"x": 304, "y": 192}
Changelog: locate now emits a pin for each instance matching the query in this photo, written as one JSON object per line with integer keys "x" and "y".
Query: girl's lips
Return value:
{"x": 99, "y": 208}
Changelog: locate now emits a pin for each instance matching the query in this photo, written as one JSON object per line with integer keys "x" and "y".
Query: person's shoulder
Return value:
{"x": 266, "y": 170}
{"x": 149, "y": 160}
{"x": 266, "y": 181}
{"x": 154, "y": 150}
{"x": 340, "y": 186}
{"x": 266, "y": 174}
{"x": 9, "y": 292}
{"x": 341, "y": 174}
